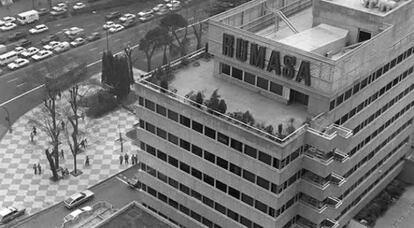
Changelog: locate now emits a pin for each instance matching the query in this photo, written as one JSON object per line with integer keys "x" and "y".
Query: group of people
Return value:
{"x": 125, "y": 159}
{"x": 37, "y": 169}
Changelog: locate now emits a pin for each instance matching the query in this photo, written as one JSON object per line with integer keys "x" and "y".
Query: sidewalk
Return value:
{"x": 20, "y": 186}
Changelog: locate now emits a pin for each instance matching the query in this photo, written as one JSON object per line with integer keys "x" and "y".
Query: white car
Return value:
{"x": 74, "y": 214}
{"x": 8, "y": 27}
{"x": 29, "y": 52}
{"x": 78, "y": 198}
{"x": 74, "y": 31}
{"x": 51, "y": 45}
{"x": 2, "y": 22}
{"x": 9, "y": 19}
{"x": 19, "y": 50}
{"x": 38, "y": 29}
{"x": 9, "y": 213}
{"x": 145, "y": 13}
{"x": 108, "y": 25}
{"x": 127, "y": 17}
{"x": 18, "y": 63}
{"x": 62, "y": 5}
{"x": 158, "y": 7}
{"x": 116, "y": 28}
{"x": 79, "y": 5}
{"x": 78, "y": 42}
{"x": 42, "y": 54}
{"x": 63, "y": 46}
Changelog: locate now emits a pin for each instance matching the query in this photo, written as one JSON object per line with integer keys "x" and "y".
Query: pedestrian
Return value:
{"x": 31, "y": 136}
{"x": 132, "y": 159}
{"x": 63, "y": 125}
{"x": 82, "y": 143}
{"x": 34, "y": 130}
{"x": 86, "y": 142}
{"x": 39, "y": 168}
{"x": 60, "y": 94}
{"x": 35, "y": 169}
{"x": 62, "y": 154}
{"x": 121, "y": 159}
{"x": 136, "y": 159}
{"x": 83, "y": 116}
{"x": 87, "y": 161}
{"x": 126, "y": 159}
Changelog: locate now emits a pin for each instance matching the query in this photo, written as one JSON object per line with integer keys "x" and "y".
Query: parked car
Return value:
{"x": 24, "y": 43}
{"x": 38, "y": 29}
{"x": 42, "y": 54}
{"x": 18, "y": 63}
{"x": 19, "y": 49}
{"x": 43, "y": 11}
{"x": 94, "y": 36}
{"x": 116, "y": 28}
{"x": 51, "y": 37}
{"x": 58, "y": 11}
{"x": 9, "y": 213}
{"x": 146, "y": 17}
{"x": 51, "y": 45}
{"x": 129, "y": 23}
{"x": 145, "y": 13}
{"x": 112, "y": 16}
{"x": 2, "y": 22}
{"x": 79, "y": 5}
{"x": 9, "y": 19}
{"x": 74, "y": 31}
{"x": 127, "y": 17}
{"x": 74, "y": 214}
{"x": 163, "y": 11}
{"x": 78, "y": 198}
{"x": 17, "y": 35}
{"x": 62, "y": 47}
{"x": 158, "y": 7}
{"x": 8, "y": 27}
{"x": 62, "y": 5}
{"x": 78, "y": 42}
{"x": 29, "y": 52}
{"x": 108, "y": 24}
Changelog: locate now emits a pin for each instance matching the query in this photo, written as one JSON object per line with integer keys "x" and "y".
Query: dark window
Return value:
{"x": 141, "y": 101}
{"x": 249, "y": 176}
{"x": 152, "y": 191}
{"x": 247, "y": 199}
{"x": 386, "y": 68}
{"x": 225, "y": 69}
{"x": 356, "y": 88}
{"x": 184, "y": 144}
{"x": 195, "y": 216}
{"x": 220, "y": 208}
{"x": 235, "y": 169}
{"x": 276, "y": 88}
{"x": 276, "y": 163}
{"x": 236, "y": 145}
{"x": 379, "y": 73}
{"x": 263, "y": 183}
{"x": 172, "y": 115}
{"x": 237, "y": 73}
{"x": 265, "y": 158}
{"x": 233, "y": 192}
{"x": 252, "y": 152}
{"x": 162, "y": 197}
{"x": 173, "y": 161}
{"x": 393, "y": 63}
{"x": 223, "y": 138}
{"x": 185, "y": 121}
{"x": 348, "y": 93}
{"x": 250, "y": 78}
{"x": 364, "y": 83}
{"x": 208, "y": 201}
{"x": 233, "y": 215}
{"x": 161, "y": 155}
{"x": 142, "y": 124}
{"x": 172, "y": 138}
{"x": 149, "y": 105}
{"x": 209, "y": 180}
{"x": 184, "y": 167}
{"x": 222, "y": 163}
{"x": 207, "y": 222}
{"x": 332, "y": 105}
{"x": 209, "y": 157}
{"x": 185, "y": 189}
{"x": 260, "y": 206}
{"x": 173, "y": 203}
{"x": 151, "y": 150}
{"x": 196, "y": 150}
{"x": 161, "y": 110}
{"x": 197, "y": 126}
{"x": 246, "y": 222}
{"x": 262, "y": 83}
{"x": 184, "y": 209}
{"x": 339, "y": 99}
{"x": 161, "y": 133}
{"x": 400, "y": 58}
{"x": 196, "y": 173}
{"x": 210, "y": 132}
{"x": 173, "y": 183}
{"x": 150, "y": 127}
{"x": 196, "y": 195}
{"x": 221, "y": 186}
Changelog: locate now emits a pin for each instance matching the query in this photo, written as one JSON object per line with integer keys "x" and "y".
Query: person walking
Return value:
{"x": 31, "y": 136}
{"x": 87, "y": 160}
{"x": 121, "y": 159}
{"x": 126, "y": 159}
{"x": 34, "y": 130}
{"x": 63, "y": 125}
{"x": 62, "y": 154}
{"x": 39, "y": 168}
{"x": 35, "y": 168}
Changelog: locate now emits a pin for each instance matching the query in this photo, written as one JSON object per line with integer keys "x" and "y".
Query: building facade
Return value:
{"x": 349, "y": 67}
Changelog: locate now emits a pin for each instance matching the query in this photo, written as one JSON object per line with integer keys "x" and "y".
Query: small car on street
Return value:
{"x": 9, "y": 213}
{"x": 146, "y": 18}
{"x": 29, "y": 52}
{"x": 51, "y": 37}
{"x": 112, "y": 16}
{"x": 127, "y": 17}
{"x": 51, "y": 45}
{"x": 78, "y": 198}
{"x": 42, "y": 54}
{"x": 62, "y": 47}
{"x": 94, "y": 36}
{"x": 78, "y": 42}
{"x": 18, "y": 63}
{"x": 9, "y": 19}
{"x": 19, "y": 50}
{"x": 38, "y": 29}
{"x": 74, "y": 214}
{"x": 116, "y": 28}
{"x": 79, "y": 5}
{"x": 129, "y": 23}
{"x": 8, "y": 26}
{"x": 108, "y": 25}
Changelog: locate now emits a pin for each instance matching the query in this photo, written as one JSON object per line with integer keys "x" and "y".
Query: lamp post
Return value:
{"x": 7, "y": 118}
{"x": 107, "y": 40}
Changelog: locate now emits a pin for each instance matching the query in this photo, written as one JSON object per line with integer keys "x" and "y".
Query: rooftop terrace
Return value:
{"x": 263, "y": 109}
{"x": 368, "y": 8}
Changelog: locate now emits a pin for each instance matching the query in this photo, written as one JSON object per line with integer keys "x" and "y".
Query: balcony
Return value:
{"x": 321, "y": 156}
{"x": 336, "y": 179}
{"x": 333, "y": 202}
{"x": 327, "y": 223}
{"x": 339, "y": 156}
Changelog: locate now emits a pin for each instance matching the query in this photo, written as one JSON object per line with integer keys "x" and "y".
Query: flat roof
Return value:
{"x": 301, "y": 21}
{"x": 358, "y": 5}
{"x": 264, "y": 110}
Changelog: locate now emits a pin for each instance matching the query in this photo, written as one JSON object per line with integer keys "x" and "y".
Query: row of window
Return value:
{"x": 205, "y": 200}
{"x": 251, "y": 79}
{"x": 369, "y": 188}
{"x": 375, "y": 96}
{"x": 383, "y": 109}
{"x": 366, "y": 175}
{"x": 377, "y": 149}
{"x": 224, "y": 187}
{"x": 380, "y": 129}
{"x": 166, "y": 217}
{"x": 216, "y": 160}
{"x": 371, "y": 78}
{"x": 222, "y": 138}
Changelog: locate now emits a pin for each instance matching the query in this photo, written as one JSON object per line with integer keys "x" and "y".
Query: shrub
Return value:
{"x": 100, "y": 104}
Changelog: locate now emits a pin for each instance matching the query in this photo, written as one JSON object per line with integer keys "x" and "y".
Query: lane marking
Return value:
{"x": 117, "y": 40}
{"x": 93, "y": 49}
{"x": 14, "y": 79}
{"x": 123, "y": 181}
{"x": 20, "y": 84}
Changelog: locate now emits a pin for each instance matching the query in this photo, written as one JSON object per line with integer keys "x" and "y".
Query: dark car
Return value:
{"x": 43, "y": 11}
{"x": 112, "y": 16}
{"x": 129, "y": 23}
{"x": 17, "y": 36}
{"x": 24, "y": 43}
{"x": 94, "y": 36}
{"x": 51, "y": 37}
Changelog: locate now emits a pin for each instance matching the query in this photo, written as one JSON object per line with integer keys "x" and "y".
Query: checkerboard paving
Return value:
{"x": 20, "y": 186}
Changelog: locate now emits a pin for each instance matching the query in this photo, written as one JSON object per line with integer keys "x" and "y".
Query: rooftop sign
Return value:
{"x": 240, "y": 49}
